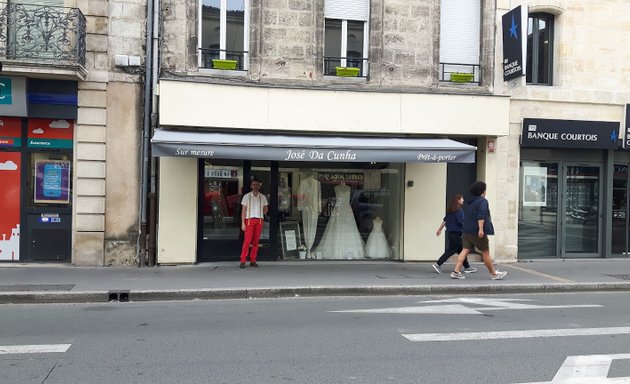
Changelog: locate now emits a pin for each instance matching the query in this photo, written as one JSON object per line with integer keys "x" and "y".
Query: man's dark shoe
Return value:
{"x": 254, "y": 264}
{"x": 242, "y": 265}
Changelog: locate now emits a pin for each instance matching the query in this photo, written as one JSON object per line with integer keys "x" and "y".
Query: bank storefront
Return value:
{"x": 373, "y": 194}
{"x": 573, "y": 190}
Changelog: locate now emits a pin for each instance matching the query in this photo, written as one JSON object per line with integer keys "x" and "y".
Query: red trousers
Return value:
{"x": 253, "y": 229}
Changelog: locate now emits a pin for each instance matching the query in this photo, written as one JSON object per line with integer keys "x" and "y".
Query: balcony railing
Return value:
{"x": 331, "y": 64}
{"x": 36, "y": 32}
{"x": 460, "y": 73}
{"x": 210, "y": 54}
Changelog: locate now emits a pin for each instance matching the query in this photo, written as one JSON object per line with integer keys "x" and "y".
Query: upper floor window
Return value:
{"x": 224, "y": 34}
{"x": 460, "y": 40}
{"x": 539, "y": 67}
{"x": 346, "y": 38}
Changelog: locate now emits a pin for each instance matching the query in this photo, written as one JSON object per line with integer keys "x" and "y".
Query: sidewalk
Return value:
{"x": 37, "y": 283}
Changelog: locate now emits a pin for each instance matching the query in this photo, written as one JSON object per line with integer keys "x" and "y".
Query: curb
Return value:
{"x": 40, "y": 297}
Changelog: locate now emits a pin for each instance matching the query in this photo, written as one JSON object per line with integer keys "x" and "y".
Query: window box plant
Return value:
{"x": 347, "y": 71}
{"x": 461, "y": 77}
{"x": 224, "y": 64}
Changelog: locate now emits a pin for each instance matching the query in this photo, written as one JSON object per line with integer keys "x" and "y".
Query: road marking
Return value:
{"x": 433, "y": 309}
{"x": 541, "y": 274}
{"x": 21, "y": 349}
{"x": 592, "y": 369}
{"x": 455, "y": 307}
{"x": 462, "y": 336}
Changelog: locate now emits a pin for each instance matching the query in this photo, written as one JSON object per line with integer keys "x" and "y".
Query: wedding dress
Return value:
{"x": 377, "y": 246}
{"x": 309, "y": 203}
{"x": 341, "y": 239}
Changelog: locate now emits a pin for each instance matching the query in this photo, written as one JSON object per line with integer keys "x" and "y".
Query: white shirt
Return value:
{"x": 254, "y": 205}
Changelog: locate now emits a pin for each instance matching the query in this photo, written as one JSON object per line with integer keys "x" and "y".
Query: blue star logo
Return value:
{"x": 613, "y": 136}
{"x": 513, "y": 28}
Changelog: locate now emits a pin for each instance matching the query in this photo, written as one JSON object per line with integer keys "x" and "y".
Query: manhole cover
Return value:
{"x": 35, "y": 287}
{"x": 621, "y": 277}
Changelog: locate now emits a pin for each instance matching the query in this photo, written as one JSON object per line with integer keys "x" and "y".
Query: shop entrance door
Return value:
{"x": 581, "y": 212}
{"x": 222, "y": 185}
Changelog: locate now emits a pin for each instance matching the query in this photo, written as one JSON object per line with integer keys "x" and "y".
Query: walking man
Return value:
{"x": 476, "y": 227}
{"x": 254, "y": 208}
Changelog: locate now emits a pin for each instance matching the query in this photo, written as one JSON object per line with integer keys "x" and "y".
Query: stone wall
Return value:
{"x": 108, "y": 128}
{"x": 287, "y": 38}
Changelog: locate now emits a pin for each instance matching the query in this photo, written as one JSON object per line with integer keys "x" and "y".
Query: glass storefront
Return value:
{"x": 320, "y": 211}
{"x": 559, "y": 209}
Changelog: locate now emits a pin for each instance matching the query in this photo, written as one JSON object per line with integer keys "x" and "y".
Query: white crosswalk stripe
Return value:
{"x": 22, "y": 349}
{"x": 463, "y": 336}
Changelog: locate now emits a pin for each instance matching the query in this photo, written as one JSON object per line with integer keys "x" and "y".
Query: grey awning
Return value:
{"x": 309, "y": 148}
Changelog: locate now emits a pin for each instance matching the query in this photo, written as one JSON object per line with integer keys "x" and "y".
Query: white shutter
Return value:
{"x": 460, "y": 29}
{"x": 347, "y": 9}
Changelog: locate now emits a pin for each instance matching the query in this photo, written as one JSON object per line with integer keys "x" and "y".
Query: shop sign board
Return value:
{"x": 514, "y": 24}
{"x": 550, "y": 133}
{"x": 626, "y": 142}
{"x": 13, "y": 96}
{"x": 10, "y": 132}
{"x": 50, "y": 133}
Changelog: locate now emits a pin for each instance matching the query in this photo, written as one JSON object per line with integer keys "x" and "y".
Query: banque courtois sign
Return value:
{"x": 550, "y": 133}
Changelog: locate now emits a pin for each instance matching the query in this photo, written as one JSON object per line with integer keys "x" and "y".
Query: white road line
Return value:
{"x": 591, "y": 369}
{"x": 516, "y": 334}
{"x": 21, "y": 349}
{"x": 455, "y": 309}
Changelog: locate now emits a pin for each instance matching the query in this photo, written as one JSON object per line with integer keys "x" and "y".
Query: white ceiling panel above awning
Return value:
{"x": 247, "y": 146}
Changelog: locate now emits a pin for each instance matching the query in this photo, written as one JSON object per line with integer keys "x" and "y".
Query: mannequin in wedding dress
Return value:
{"x": 377, "y": 246}
{"x": 342, "y": 240}
{"x": 309, "y": 203}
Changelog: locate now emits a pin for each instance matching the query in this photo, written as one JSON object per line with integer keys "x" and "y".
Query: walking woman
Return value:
{"x": 453, "y": 223}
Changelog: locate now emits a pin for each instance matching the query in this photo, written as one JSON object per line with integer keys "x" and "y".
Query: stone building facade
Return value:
{"x": 284, "y": 84}
{"x": 107, "y": 121}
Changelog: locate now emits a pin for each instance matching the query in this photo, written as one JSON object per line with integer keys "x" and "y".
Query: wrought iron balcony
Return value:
{"x": 42, "y": 34}
{"x": 460, "y": 73}
{"x": 331, "y": 64}
{"x": 210, "y": 56}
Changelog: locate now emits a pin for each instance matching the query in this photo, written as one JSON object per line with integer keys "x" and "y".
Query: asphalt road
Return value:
{"x": 321, "y": 340}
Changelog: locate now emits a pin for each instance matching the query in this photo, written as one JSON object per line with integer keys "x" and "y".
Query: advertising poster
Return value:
{"x": 52, "y": 181}
{"x": 50, "y": 133}
{"x": 534, "y": 186}
{"x": 10, "y": 163}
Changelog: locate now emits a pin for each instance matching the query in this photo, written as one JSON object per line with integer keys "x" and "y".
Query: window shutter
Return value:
{"x": 347, "y": 9}
{"x": 460, "y": 29}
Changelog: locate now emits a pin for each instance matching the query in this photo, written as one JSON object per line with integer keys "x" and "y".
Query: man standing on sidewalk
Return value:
{"x": 254, "y": 208}
{"x": 476, "y": 227}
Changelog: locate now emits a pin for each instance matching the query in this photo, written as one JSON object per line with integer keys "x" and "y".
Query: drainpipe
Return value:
{"x": 154, "y": 121}
{"x": 141, "y": 255}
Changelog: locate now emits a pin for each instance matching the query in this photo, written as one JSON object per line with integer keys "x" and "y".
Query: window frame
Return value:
{"x": 223, "y": 34}
{"x": 533, "y": 69}
{"x": 344, "y": 43}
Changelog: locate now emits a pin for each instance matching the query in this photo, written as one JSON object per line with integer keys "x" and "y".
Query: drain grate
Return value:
{"x": 621, "y": 277}
{"x": 35, "y": 287}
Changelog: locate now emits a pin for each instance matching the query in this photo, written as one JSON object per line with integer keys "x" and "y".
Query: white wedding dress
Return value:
{"x": 377, "y": 246}
{"x": 341, "y": 239}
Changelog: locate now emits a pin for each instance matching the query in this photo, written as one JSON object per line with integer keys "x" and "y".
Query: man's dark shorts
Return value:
{"x": 473, "y": 241}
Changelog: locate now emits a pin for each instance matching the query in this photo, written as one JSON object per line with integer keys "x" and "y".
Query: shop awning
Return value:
{"x": 217, "y": 145}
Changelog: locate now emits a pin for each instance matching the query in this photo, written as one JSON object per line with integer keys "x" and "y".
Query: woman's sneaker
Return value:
{"x": 437, "y": 268}
{"x": 457, "y": 275}
{"x": 470, "y": 270}
{"x": 499, "y": 275}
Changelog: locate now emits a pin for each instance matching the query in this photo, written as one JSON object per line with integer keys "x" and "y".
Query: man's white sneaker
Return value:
{"x": 437, "y": 268}
{"x": 457, "y": 275}
{"x": 470, "y": 270}
{"x": 499, "y": 275}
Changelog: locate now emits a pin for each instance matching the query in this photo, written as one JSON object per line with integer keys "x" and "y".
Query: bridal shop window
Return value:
{"x": 347, "y": 212}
